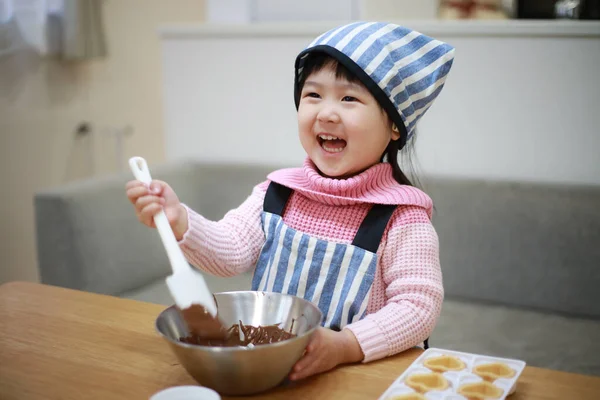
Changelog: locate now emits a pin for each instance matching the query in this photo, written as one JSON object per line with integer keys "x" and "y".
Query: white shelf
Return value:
{"x": 498, "y": 28}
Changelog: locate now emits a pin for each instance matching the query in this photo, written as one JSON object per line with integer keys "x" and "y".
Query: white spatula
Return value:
{"x": 187, "y": 285}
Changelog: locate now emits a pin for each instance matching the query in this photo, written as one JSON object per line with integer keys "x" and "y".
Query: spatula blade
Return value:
{"x": 188, "y": 288}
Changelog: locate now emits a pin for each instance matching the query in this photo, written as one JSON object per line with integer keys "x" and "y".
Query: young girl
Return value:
{"x": 347, "y": 230}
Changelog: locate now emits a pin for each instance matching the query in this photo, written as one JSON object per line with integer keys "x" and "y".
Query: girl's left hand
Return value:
{"x": 326, "y": 350}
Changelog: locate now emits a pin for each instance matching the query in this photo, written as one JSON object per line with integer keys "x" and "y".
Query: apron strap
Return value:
{"x": 275, "y": 199}
{"x": 371, "y": 229}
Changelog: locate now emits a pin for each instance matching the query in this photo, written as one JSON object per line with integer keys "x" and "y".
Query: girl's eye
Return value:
{"x": 349, "y": 98}
{"x": 313, "y": 95}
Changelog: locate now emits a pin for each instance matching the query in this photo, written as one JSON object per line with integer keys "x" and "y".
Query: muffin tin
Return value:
{"x": 440, "y": 374}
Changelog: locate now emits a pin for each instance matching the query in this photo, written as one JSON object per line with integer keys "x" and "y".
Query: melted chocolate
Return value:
{"x": 202, "y": 324}
{"x": 231, "y": 337}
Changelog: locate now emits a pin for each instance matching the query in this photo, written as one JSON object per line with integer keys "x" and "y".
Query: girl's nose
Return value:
{"x": 328, "y": 113}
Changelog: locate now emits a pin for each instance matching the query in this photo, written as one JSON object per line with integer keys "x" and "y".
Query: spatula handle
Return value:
{"x": 140, "y": 170}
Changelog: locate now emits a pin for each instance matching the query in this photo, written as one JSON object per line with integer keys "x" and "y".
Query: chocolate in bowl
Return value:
{"x": 243, "y": 370}
{"x": 251, "y": 336}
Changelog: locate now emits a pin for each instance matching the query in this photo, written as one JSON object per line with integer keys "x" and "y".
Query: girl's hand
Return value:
{"x": 326, "y": 350}
{"x": 148, "y": 201}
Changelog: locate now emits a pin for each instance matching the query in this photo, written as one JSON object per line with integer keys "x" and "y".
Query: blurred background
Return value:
{"x": 510, "y": 148}
{"x": 86, "y": 84}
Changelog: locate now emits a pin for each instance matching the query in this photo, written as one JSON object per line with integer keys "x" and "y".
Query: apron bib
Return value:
{"x": 336, "y": 277}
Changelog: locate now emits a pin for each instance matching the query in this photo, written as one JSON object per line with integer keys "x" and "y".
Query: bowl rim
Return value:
{"x": 219, "y": 349}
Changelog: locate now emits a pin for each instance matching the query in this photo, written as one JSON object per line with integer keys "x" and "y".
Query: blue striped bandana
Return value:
{"x": 403, "y": 69}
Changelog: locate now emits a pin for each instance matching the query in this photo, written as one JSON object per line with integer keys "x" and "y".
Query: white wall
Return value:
{"x": 519, "y": 104}
{"x": 235, "y": 11}
{"x": 43, "y": 100}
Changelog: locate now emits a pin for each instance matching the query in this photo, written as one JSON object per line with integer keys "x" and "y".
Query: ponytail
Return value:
{"x": 391, "y": 156}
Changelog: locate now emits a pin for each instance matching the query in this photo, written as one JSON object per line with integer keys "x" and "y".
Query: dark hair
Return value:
{"x": 315, "y": 62}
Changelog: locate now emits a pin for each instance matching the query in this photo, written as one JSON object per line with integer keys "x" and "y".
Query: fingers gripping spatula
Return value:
{"x": 186, "y": 285}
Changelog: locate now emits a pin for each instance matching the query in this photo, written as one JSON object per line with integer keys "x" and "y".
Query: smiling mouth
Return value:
{"x": 331, "y": 144}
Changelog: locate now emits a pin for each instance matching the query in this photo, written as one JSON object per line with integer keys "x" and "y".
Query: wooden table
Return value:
{"x": 64, "y": 344}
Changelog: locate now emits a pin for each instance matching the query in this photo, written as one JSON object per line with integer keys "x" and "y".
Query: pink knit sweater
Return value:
{"x": 407, "y": 292}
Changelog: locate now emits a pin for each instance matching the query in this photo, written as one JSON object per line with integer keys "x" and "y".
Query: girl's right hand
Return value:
{"x": 148, "y": 201}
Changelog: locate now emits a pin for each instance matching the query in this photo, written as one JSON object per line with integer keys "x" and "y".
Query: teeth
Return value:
{"x": 328, "y": 137}
{"x": 332, "y": 150}
{"x": 329, "y": 149}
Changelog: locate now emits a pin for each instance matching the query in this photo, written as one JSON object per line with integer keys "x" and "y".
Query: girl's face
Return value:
{"x": 342, "y": 127}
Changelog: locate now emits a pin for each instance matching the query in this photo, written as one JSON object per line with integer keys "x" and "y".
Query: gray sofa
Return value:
{"x": 520, "y": 261}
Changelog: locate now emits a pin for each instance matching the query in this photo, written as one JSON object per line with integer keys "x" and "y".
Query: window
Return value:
{"x": 25, "y": 23}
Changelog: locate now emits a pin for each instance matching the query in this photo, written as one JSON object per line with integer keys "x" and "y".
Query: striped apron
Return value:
{"x": 336, "y": 277}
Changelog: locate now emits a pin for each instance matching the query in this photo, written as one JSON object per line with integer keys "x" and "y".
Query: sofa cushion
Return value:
{"x": 524, "y": 245}
{"x": 542, "y": 340}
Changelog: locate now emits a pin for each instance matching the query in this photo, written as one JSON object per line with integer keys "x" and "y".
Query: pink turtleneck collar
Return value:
{"x": 375, "y": 185}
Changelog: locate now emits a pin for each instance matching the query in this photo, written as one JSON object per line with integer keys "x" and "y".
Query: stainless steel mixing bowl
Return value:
{"x": 241, "y": 370}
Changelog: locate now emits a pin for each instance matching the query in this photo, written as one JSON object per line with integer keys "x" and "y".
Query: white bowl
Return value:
{"x": 186, "y": 393}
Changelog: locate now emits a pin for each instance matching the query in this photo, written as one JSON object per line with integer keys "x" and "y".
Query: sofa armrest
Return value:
{"x": 88, "y": 237}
